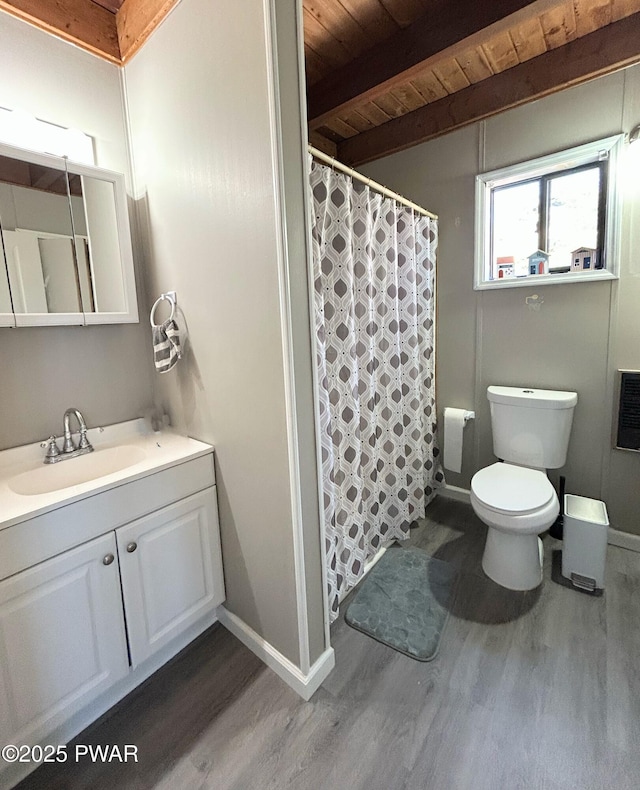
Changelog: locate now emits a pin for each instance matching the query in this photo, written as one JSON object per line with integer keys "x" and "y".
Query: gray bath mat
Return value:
{"x": 403, "y": 602}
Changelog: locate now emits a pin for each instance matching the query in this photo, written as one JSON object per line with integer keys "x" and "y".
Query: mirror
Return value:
{"x": 66, "y": 245}
{"x": 95, "y": 228}
{"x": 37, "y": 238}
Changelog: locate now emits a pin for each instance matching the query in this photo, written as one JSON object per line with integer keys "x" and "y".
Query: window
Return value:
{"x": 553, "y": 219}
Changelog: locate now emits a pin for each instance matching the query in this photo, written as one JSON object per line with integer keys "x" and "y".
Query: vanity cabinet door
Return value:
{"x": 171, "y": 570}
{"x": 62, "y": 639}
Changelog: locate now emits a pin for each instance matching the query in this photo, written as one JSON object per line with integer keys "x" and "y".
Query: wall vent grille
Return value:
{"x": 629, "y": 411}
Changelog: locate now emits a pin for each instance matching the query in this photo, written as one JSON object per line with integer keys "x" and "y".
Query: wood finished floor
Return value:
{"x": 530, "y": 690}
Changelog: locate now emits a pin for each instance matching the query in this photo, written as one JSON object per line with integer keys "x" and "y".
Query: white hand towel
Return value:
{"x": 166, "y": 345}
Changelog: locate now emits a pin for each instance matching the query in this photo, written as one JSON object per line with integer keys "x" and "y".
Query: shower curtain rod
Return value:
{"x": 329, "y": 160}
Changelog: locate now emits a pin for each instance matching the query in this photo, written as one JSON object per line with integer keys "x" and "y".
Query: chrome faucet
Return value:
{"x": 69, "y": 450}
{"x": 83, "y": 444}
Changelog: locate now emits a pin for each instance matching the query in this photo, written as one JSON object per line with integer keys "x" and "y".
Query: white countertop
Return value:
{"x": 161, "y": 449}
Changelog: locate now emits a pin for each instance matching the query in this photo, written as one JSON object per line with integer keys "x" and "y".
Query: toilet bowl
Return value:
{"x": 516, "y": 504}
{"x": 514, "y": 498}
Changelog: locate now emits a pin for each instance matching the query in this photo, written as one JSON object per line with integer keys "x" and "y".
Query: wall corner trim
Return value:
{"x": 304, "y": 685}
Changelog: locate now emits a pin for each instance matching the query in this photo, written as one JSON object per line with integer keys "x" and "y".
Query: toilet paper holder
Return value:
{"x": 468, "y": 415}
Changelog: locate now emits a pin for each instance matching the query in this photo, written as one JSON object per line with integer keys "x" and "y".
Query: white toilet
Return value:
{"x": 515, "y": 498}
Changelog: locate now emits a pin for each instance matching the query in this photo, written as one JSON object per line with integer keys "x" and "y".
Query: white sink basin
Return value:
{"x": 123, "y": 453}
{"x": 74, "y": 471}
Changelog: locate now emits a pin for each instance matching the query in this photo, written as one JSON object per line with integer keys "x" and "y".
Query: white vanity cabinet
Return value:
{"x": 62, "y": 639}
{"x": 100, "y": 589}
{"x": 171, "y": 572}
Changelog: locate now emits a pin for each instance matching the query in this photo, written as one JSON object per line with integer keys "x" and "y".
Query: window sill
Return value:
{"x": 535, "y": 280}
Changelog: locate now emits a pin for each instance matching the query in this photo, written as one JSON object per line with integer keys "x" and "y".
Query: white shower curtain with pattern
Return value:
{"x": 374, "y": 277}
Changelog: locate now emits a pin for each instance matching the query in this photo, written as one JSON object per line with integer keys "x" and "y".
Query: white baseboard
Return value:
{"x": 454, "y": 492}
{"x": 304, "y": 685}
{"x": 624, "y": 540}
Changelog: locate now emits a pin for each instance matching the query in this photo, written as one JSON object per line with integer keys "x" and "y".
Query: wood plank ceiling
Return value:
{"x": 383, "y": 75}
{"x": 112, "y": 29}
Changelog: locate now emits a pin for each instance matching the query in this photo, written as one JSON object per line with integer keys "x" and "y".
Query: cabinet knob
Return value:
{"x": 108, "y": 559}
{"x": 131, "y": 547}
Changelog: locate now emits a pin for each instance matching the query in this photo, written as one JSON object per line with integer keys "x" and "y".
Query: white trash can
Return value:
{"x": 584, "y": 548}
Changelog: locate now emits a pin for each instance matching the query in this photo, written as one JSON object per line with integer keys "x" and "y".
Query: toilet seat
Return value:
{"x": 512, "y": 490}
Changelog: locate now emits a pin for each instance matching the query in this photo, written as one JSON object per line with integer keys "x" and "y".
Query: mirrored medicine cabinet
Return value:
{"x": 65, "y": 244}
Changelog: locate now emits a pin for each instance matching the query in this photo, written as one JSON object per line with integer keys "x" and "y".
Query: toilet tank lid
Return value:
{"x": 532, "y": 398}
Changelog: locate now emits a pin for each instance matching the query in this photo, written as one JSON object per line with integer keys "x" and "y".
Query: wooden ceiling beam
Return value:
{"x": 441, "y": 33}
{"x": 326, "y": 146}
{"x": 605, "y": 50}
{"x": 86, "y": 24}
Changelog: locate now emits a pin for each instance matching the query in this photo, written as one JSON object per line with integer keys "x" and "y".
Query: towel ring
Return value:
{"x": 162, "y": 298}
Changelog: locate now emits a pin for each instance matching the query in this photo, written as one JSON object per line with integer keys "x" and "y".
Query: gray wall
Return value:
{"x": 104, "y": 370}
{"x": 583, "y": 332}
{"x": 203, "y": 145}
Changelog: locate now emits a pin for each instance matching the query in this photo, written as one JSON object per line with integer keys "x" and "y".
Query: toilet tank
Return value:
{"x": 531, "y": 427}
